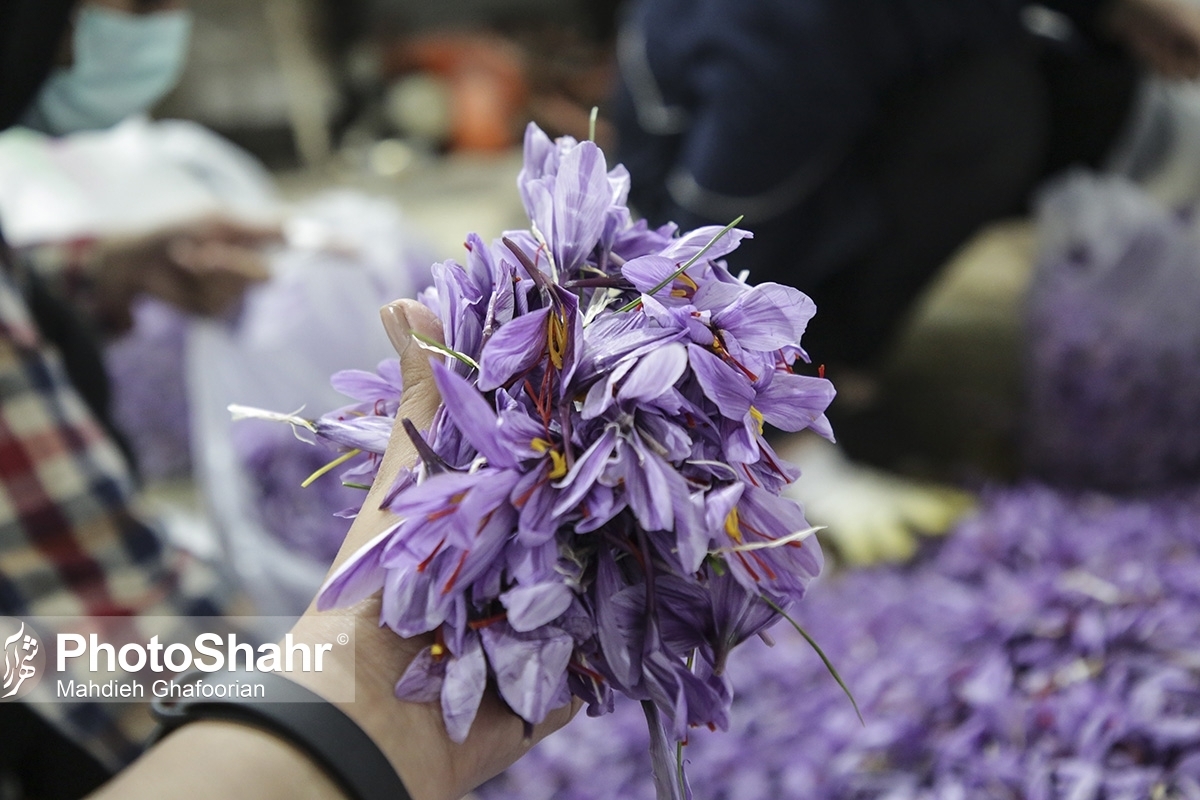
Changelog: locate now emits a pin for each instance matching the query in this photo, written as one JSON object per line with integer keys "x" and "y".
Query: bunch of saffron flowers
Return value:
{"x": 595, "y": 509}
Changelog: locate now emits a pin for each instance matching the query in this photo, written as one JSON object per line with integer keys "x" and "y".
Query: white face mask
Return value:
{"x": 124, "y": 63}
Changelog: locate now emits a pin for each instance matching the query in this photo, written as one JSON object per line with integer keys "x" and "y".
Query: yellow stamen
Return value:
{"x": 758, "y": 417}
{"x": 557, "y": 339}
{"x": 558, "y": 466}
{"x": 437, "y": 650}
{"x": 689, "y": 286}
{"x": 732, "y": 526}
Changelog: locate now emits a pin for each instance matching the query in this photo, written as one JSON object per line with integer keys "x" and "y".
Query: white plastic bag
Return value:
{"x": 318, "y": 315}
{"x": 136, "y": 177}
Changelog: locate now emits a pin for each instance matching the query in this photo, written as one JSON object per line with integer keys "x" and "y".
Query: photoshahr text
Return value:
{"x": 209, "y": 652}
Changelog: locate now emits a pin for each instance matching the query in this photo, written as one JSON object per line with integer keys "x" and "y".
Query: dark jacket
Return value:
{"x": 752, "y": 107}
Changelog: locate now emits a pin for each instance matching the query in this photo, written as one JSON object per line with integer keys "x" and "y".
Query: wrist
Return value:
{"x": 410, "y": 735}
{"x": 211, "y": 758}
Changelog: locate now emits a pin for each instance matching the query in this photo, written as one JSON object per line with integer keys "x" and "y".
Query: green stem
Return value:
{"x": 679, "y": 769}
{"x": 679, "y": 774}
{"x": 592, "y": 123}
{"x": 632, "y": 304}
{"x": 821, "y": 653}
{"x": 434, "y": 344}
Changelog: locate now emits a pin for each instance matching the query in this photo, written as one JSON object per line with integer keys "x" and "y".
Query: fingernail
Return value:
{"x": 395, "y": 322}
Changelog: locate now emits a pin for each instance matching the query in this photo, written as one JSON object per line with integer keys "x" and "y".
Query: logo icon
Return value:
{"x": 23, "y": 657}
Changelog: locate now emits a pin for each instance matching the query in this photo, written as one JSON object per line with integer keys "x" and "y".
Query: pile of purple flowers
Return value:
{"x": 1047, "y": 649}
{"x": 1113, "y": 340}
{"x": 595, "y": 510}
{"x": 150, "y": 406}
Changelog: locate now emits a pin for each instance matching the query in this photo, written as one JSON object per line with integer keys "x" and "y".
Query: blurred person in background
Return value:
{"x": 120, "y": 59}
{"x": 865, "y": 141}
{"x": 70, "y": 542}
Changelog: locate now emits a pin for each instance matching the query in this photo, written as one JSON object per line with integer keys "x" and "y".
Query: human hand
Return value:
{"x": 413, "y": 736}
{"x": 202, "y": 267}
{"x": 1163, "y": 33}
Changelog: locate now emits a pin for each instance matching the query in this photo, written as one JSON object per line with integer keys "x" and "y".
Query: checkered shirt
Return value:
{"x": 70, "y": 542}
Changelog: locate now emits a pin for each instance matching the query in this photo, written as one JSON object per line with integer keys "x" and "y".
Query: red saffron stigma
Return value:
{"x": 454, "y": 576}
{"x": 479, "y": 624}
{"x": 424, "y": 565}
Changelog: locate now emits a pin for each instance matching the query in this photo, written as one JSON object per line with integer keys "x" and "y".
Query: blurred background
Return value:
{"x": 421, "y": 101}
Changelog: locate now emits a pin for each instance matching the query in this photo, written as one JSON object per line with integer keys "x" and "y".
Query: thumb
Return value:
{"x": 405, "y": 321}
{"x": 418, "y": 403}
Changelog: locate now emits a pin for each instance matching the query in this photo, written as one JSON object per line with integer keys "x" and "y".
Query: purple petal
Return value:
{"x": 574, "y": 330}
{"x": 530, "y": 607}
{"x": 719, "y": 502}
{"x": 795, "y": 402}
{"x": 721, "y": 383}
{"x": 513, "y": 349}
{"x": 715, "y": 295}
{"x": 539, "y": 152}
{"x": 600, "y": 506}
{"x": 619, "y": 181}
{"x": 646, "y": 272}
{"x": 601, "y": 396}
{"x": 369, "y": 434}
{"x": 502, "y": 305}
{"x": 437, "y": 494}
{"x": 685, "y": 612}
{"x": 579, "y": 481}
{"x": 603, "y": 352}
{"x": 581, "y": 194}
{"x": 777, "y": 517}
{"x": 473, "y": 416}
{"x": 646, "y": 487}
{"x": 691, "y": 533}
{"x": 366, "y": 387}
{"x": 422, "y": 681}
{"x": 530, "y": 667}
{"x": 740, "y": 440}
{"x": 692, "y": 242}
{"x": 530, "y": 565}
{"x": 662, "y": 762}
{"x": 767, "y": 317}
{"x": 620, "y": 620}
{"x": 358, "y": 577}
{"x": 534, "y": 497}
{"x": 655, "y": 373}
{"x": 462, "y": 689}
{"x": 411, "y": 604}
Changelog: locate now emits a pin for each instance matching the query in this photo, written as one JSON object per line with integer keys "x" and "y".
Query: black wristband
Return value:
{"x": 317, "y": 727}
